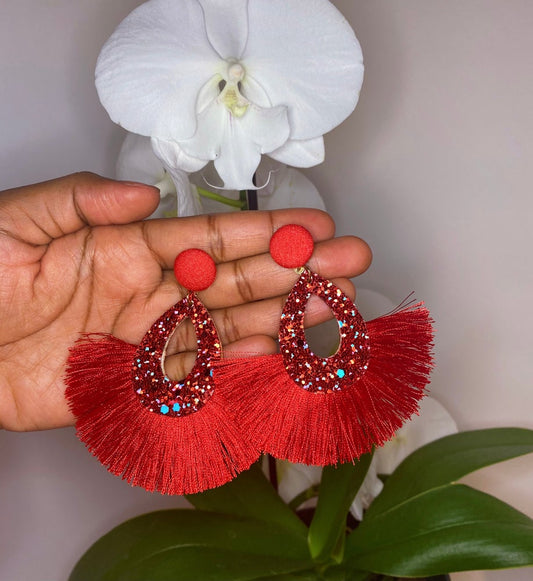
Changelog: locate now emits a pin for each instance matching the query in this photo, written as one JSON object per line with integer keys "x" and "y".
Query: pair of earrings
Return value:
{"x": 182, "y": 437}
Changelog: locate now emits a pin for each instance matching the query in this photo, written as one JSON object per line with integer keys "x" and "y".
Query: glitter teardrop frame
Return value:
{"x": 174, "y": 437}
{"x": 322, "y": 374}
{"x": 156, "y": 391}
{"x": 322, "y": 411}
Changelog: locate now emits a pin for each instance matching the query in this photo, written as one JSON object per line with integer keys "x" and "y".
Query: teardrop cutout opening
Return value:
{"x": 155, "y": 389}
{"x": 323, "y": 339}
{"x": 308, "y": 369}
{"x": 178, "y": 362}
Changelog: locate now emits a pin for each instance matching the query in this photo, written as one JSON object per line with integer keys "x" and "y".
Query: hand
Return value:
{"x": 75, "y": 257}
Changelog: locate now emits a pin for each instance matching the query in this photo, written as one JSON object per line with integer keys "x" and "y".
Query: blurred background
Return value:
{"x": 434, "y": 170}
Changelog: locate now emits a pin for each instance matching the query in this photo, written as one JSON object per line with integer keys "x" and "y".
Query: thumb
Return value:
{"x": 41, "y": 212}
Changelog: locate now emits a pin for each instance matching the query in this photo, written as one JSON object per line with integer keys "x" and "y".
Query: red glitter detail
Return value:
{"x": 313, "y": 373}
{"x": 158, "y": 392}
{"x": 291, "y": 246}
{"x": 158, "y": 451}
{"x": 283, "y": 406}
{"x": 194, "y": 269}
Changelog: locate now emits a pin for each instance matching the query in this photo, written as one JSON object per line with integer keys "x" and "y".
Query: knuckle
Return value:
{"x": 242, "y": 283}
{"x": 228, "y": 326}
{"x": 215, "y": 239}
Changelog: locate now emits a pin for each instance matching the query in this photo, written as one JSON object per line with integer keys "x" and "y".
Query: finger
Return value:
{"x": 236, "y": 323}
{"x": 259, "y": 277}
{"x": 41, "y": 212}
{"x": 178, "y": 366}
{"x": 229, "y": 236}
{"x": 260, "y": 318}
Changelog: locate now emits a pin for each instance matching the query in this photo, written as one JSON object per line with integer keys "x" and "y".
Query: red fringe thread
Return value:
{"x": 288, "y": 422}
{"x": 182, "y": 455}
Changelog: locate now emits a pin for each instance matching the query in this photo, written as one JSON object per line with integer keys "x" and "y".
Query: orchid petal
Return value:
{"x": 268, "y": 173}
{"x": 370, "y": 488}
{"x": 151, "y": 69}
{"x": 137, "y": 162}
{"x": 267, "y": 128}
{"x": 254, "y": 92}
{"x": 166, "y": 187}
{"x": 245, "y": 139}
{"x": 295, "y": 478}
{"x": 208, "y": 93}
{"x": 236, "y": 164}
{"x": 188, "y": 199}
{"x": 300, "y": 153}
{"x": 171, "y": 155}
{"x": 312, "y": 64}
{"x": 292, "y": 190}
{"x": 207, "y": 140}
{"x": 167, "y": 206}
{"x": 433, "y": 422}
{"x": 236, "y": 143}
{"x": 226, "y": 22}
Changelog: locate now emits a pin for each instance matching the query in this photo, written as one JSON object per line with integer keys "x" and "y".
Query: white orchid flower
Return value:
{"x": 137, "y": 162}
{"x": 287, "y": 187}
{"x": 230, "y": 80}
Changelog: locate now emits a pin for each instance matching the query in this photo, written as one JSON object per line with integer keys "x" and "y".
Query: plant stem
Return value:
{"x": 251, "y": 196}
{"x": 273, "y": 472}
{"x": 243, "y": 199}
{"x": 222, "y": 199}
{"x": 307, "y": 494}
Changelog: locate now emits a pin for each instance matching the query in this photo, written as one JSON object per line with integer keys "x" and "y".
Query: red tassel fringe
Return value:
{"x": 182, "y": 455}
{"x": 285, "y": 420}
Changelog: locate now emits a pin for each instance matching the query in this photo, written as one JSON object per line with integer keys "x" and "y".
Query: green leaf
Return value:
{"x": 250, "y": 495}
{"x": 338, "y": 488}
{"x": 349, "y": 575}
{"x": 330, "y": 574}
{"x": 302, "y": 576}
{"x": 448, "y": 459}
{"x": 189, "y": 545}
{"x": 451, "y": 528}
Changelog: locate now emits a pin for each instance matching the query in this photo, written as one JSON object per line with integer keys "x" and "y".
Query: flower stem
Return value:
{"x": 222, "y": 199}
{"x": 251, "y": 196}
{"x": 273, "y": 471}
{"x": 307, "y": 494}
{"x": 243, "y": 199}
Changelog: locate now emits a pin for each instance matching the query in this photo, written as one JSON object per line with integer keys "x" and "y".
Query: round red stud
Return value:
{"x": 291, "y": 246}
{"x": 194, "y": 269}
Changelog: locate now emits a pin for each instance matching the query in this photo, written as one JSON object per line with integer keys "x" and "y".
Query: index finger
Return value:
{"x": 229, "y": 236}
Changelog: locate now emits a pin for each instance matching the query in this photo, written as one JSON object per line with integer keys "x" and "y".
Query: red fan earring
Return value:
{"x": 175, "y": 437}
{"x": 323, "y": 411}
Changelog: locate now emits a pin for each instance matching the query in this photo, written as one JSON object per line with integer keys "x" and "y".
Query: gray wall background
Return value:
{"x": 433, "y": 170}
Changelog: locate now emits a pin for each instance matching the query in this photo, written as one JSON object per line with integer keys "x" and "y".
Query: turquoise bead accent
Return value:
{"x": 164, "y": 409}
{"x": 176, "y": 407}
{"x": 341, "y": 373}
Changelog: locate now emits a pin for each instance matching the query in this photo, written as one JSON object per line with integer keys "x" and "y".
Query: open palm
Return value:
{"x": 76, "y": 257}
